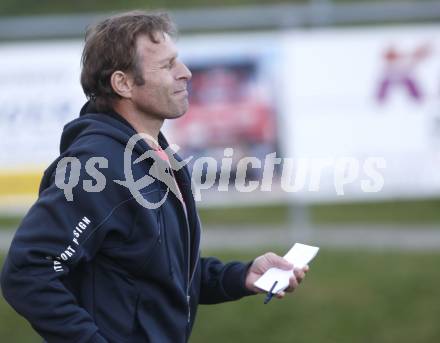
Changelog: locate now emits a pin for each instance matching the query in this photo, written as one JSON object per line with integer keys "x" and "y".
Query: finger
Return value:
{"x": 300, "y": 275}
{"x": 280, "y": 295}
{"x": 306, "y": 268}
{"x": 290, "y": 289}
{"x": 279, "y": 262}
{"x": 293, "y": 283}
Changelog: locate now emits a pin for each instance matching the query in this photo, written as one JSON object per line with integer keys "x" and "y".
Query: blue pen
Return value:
{"x": 270, "y": 294}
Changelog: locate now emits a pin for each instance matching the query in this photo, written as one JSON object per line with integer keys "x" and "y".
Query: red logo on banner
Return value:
{"x": 399, "y": 72}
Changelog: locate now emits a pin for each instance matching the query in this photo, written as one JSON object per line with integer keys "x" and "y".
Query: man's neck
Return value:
{"x": 140, "y": 122}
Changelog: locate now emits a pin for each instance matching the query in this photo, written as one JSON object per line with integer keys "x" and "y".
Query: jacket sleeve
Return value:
{"x": 54, "y": 237}
{"x": 222, "y": 282}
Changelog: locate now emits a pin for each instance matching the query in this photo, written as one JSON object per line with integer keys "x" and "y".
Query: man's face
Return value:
{"x": 164, "y": 93}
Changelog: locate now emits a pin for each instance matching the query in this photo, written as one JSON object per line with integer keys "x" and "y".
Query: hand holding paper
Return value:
{"x": 299, "y": 255}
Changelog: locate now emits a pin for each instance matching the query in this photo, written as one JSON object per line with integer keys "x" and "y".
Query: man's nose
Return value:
{"x": 184, "y": 72}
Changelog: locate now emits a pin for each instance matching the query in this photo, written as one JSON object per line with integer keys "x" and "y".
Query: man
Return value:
{"x": 94, "y": 264}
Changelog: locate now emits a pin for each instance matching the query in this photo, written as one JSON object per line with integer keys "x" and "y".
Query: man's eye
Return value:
{"x": 169, "y": 65}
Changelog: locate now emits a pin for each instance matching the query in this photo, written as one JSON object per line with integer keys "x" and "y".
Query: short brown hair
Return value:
{"x": 110, "y": 45}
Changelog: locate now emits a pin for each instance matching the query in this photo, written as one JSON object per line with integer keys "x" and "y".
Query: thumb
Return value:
{"x": 279, "y": 262}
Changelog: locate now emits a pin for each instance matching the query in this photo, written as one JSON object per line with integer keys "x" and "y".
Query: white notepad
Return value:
{"x": 299, "y": 255}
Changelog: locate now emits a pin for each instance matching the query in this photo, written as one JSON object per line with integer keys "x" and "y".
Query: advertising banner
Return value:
{"x": 365, "y": 104}
{"x": 319, "y": 115}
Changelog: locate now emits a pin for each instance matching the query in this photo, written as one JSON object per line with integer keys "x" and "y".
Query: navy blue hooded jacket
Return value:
{"x": 103, "y": 268}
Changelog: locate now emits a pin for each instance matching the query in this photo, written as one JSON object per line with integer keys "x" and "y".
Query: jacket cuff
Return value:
{"x": 235, "y": 280}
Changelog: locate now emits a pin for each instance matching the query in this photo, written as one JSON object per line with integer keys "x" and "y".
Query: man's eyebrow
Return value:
{"x": 169, "y": 58}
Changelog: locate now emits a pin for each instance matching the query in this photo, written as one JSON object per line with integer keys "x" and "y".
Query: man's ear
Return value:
{"x": 122, "y": 83}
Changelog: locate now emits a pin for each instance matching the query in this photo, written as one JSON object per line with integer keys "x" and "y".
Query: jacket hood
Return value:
{"x": 111, "y": 124}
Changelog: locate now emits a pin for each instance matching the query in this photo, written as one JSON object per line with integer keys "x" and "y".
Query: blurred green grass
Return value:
{"x": 348, "y": 296}
{"x": 11, "y": 7}
{"x": 9, "y": 222}
{"x": 426, "y": 211}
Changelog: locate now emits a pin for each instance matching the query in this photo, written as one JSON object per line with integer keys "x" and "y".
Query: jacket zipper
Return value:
{"x": 189, "y": 277}
{"x": 165, "y": 238}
